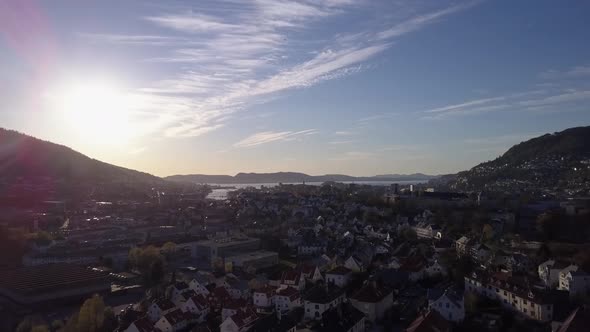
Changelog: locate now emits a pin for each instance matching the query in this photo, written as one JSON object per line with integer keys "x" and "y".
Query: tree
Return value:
{"x": 93, "y": 316}
{"x": 548, "y": 225}
{"x": 40, "y": 328}
{"x": 488, "y": 232}
{"x": 149, "y": 262}
{"x": 169, "y": 247}
{"x": 57, "y": 324}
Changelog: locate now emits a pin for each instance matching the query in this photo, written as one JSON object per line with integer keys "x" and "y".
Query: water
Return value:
{"x": 221, "y": 194}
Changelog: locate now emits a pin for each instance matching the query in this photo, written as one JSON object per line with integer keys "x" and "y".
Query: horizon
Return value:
{"x": 335, "y": 87}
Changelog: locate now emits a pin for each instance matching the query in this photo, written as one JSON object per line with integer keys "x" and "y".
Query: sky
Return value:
{"x": 358, "y": 87}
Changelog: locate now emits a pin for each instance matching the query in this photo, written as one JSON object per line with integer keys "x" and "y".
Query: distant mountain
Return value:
{"x": 292, "y": 177}
{"x": 29, "y": 165}
{"x": 552, "y": 162}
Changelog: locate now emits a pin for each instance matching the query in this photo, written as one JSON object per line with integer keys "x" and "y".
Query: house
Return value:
{"x": 197, "y": 305}
{"x": 263, "y": 297}
{"x": 373, "y": 300}
{"x": 275, "y": 323}
{"x": 549, "y": 272}
{"x": 512, "y": 293}
{"x": 321, "y": 298}
{"x": 463, "y": 246}
{"x": 242, "y": 321}
{"x": 285, "y": 299}
{"x": 415, "y": 267}
{"x": 480, "y": 253}
{"x": 430, "y": 321}
{"x": 449, "y": 303}
{"x": 339, "y": 276}
{"x": 217, "y": 297}
{"x": 310, "y": 272}
{"x": 141, "y": 325}
{"x": 159, "y": 308}
{"x": 346, "y": 318}
{"x": 354, "y": 264}
{"x": 232, "y": 306}
{"x": 574, "y": 280}
{"x": 199, "y": 285}
{"x": 434, "y": 269}
{"x": 173, "y": 321}
{"x": 237, "y": 288}
{"x": 293, "y": 278}
{"x": 175, "y": 290}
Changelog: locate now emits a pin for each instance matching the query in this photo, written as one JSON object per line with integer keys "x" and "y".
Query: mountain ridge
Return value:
{"x": 553, "y": 162}
{"x": 291, "y": 177}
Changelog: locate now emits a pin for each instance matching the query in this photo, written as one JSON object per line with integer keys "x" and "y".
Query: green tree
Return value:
{"x": 40, "y": 328}
{"x": 169, "y": 247}
{"x": 149, "y": 262}
{"x": 93, "y": 316}
{"x": 57, "y": 324}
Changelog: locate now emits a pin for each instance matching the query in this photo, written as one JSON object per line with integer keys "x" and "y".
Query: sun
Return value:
{"x": 97, "y": 112}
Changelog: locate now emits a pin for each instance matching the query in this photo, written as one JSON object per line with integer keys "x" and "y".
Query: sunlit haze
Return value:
{"x": 340, "y": 86}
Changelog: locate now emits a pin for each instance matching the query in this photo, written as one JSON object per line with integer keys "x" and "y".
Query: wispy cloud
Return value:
{"x": 272, "y": 136}
{"x": 233, "y": 54}
{"x": 574, "y": 72}
{"x": 533, "y": 100}
{"x": 352, "y": 155}
{"x": 377, "y": 117}
{"x": 344, "y": 133}
{"x": 341, "y": 142}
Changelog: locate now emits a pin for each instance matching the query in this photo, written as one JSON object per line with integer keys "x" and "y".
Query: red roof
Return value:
{"x": 268, "y": 290}
{"x": 290, "y": 292}
{"x": 291, "y": 276}
{"x": 200, "y": 301}
{"x": 144, "y": 325}
{"x": 244, "y": 317}
{"x": 164, "y": 304}
{"x": 307, "y": 269}
{"x": 431, "y": 321}
{"x": 235, "y": 304}
{"x": 174, "y": 317}
{"x": 371, "y": 293}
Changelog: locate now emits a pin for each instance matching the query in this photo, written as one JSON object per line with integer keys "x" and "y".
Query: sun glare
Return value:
{"x": 97, "y": 112}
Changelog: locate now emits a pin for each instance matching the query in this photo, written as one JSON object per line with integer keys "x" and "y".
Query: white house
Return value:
{"x": 285, "y": 299}
{"x": 199, "y": 287}
{"x": 240, "y": 322}
{"x": 293, "y": 279}
{"x": 339, "y": 276}
{"x": 435, "y": 269}
{"x": 320, "y": 299}
{"x": 263, "y": 297}
{"x": 354, "y": 264}
{"x": 159, "y": 308}
{"x": 549, "y": 272}
{"x": 450, "y": 303}
{"x": 173, "y": 321}
{"x": 310, "y": 272}
{"x": 574, "y": 280}
{"x": 197, "y": 305}
{"x": 141, "y": 325}
{"x": 529, "y": 302}
{"x": 373, "y": 300}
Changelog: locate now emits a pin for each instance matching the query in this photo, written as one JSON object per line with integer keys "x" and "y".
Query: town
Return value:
{"x": 297, "y": 257}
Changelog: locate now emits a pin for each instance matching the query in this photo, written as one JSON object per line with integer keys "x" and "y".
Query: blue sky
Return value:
{"x": 335, "y": 86}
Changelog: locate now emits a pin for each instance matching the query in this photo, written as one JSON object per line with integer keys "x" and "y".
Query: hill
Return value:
{"x": 558, "y": 162}
{"x": 292, "y": 177}
{"x": 34, "y": 169}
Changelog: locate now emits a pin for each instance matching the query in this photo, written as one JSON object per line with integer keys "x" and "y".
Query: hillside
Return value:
{"x": 558, "y": 162}
{"x": 292, "y": 177}
{"x": 30, "y": 167}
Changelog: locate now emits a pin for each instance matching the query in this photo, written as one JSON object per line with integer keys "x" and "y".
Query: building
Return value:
{"x": 373, "y": 300}
{"x": 463, "y": 246}
{"x": 549, "y": 272}
{"x": 51, "y": 283}
{"x": 346, "y": 318}
{"x": 141, "y": 325}
{"x": 310, "y": 272}
{"x": 293, "y": 278}
{"x": 159, "y": 308}
{"x": 264, "y": 297}
{"x": 429, "y": 321}
{"x": 257, "y": 259}
{"x": 319, "y": 299}
{"x": 574, "y": 280}
{"x": 198, "y": 306}
{"x": 286, "y": 299}
{"x": 211, "y": 250}
{"x": 339, "y": 276}
{"x": 449, "y": 303}
{"x": 577, "y": 321}
{"x": 173, "y": 321}
{"x": 513, "y": 294}
{"x": 242, "y": 321}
